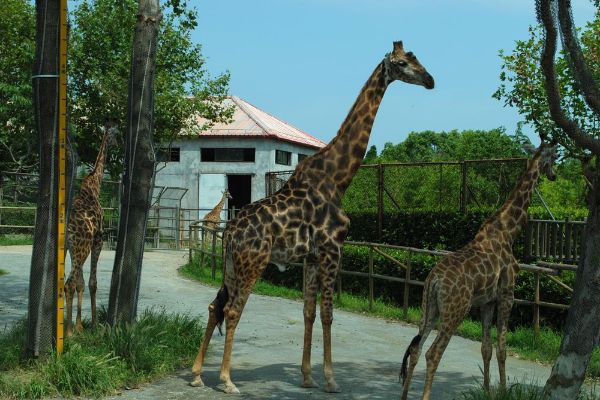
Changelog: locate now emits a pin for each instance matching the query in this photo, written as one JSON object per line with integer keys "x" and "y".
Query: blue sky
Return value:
{"x": 305, "y": 61}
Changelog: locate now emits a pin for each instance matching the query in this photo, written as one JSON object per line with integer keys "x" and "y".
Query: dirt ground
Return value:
{"x": 367, "y": 352}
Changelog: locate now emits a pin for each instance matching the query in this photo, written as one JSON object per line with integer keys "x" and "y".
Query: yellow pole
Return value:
{"x": 62, "y": 187}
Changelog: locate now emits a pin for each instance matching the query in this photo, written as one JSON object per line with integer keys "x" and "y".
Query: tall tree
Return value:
{"x": 18, "y": 136}
{"x": 42, "y": 287}
{"x": 138, "y": 179}
{"x": 582, "y": 327}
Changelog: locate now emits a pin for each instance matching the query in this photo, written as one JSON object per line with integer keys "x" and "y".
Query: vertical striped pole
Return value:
{"x": 62, "y": 187}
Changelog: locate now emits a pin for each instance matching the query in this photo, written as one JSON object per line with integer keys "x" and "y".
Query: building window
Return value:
{"x": 283, "y": 157}
{"x": 216, "y": 154}
{"x": 168, "y": 154}
{"x": 302, "y": 157}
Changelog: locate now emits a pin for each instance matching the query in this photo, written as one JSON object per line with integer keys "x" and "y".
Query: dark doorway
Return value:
{"x": 240, "y": 188}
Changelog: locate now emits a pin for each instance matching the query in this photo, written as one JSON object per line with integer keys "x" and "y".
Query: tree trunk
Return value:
{"x": 581, "y": 331}
{"x": 138, "y": 179}
{"x": 42, "y": 282}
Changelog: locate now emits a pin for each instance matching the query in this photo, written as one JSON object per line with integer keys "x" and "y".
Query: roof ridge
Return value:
{"x": 272, "y": 116}
{"x": 240, "y": 103}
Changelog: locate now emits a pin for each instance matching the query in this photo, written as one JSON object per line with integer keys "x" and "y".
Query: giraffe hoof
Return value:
{"x": 332, "y": 387}
{"x": 309, "y": 383}
{"x": 197, "y": 382}
{"x": 231, "y": 389}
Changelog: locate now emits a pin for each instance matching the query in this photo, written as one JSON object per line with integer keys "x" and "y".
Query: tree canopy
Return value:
{"x": 100, "y": 48}
{"x": 522, "y": 83}
{"x": 100, "y": 59}
{"x": 18, "y": 137}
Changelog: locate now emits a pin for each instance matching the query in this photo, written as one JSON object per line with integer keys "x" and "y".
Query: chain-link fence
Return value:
{"x": 454, "y": 185}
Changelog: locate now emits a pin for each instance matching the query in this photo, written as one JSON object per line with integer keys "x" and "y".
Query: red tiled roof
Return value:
{"x": 251, "y": 121}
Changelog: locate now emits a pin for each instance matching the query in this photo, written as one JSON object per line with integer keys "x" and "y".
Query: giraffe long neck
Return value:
{"x": 344, "y": 154}
{"x": 513, "y": 214}
{"x": 94, "y": 180}
{"x": 219, "y": 206}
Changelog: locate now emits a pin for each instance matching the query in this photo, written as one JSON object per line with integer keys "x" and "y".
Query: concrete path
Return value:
{"x": 266, "y": 358}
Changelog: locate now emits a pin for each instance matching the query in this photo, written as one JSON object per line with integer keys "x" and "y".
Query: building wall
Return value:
{"x": 188, "y": 171}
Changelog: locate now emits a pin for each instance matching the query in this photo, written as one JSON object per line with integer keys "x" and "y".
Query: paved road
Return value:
{"x": 268, "y": 348}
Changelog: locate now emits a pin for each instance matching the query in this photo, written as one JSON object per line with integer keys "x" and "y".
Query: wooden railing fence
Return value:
{"x": 546, "y": 270}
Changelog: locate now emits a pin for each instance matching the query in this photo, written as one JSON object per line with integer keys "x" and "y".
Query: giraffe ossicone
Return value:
{"x": 304, "y": 219}
{"x": 482, "y": 273}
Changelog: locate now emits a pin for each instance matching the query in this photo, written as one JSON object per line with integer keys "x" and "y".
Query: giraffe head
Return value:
{"x": 226, "y": 194}
{"x": 547, "y": 155}
{"x": 405, "y": 67}
{"x": 111, "y": 129}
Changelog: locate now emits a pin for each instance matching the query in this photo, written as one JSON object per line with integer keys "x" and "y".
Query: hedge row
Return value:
{"x": 356, "y": 258}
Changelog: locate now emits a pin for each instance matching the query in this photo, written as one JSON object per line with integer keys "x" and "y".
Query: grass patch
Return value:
{"x": 100, "y": 361}
{"x": 520, "y": 342}
{"x": 3, "y": 272}
{"x": 517, "y": 391}
{"x": 13, "y": 239}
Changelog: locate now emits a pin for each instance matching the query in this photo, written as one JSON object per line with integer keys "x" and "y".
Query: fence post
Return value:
{"x": 370, "y": 277}
{"x": 214, "y": 254}
{"x": 407, "y": 285}
{"x": 463, "y": 190}
{"x": 177, "y": 227}
{"x": 380, "y": 186}
{"x": 527, "y": 251}
{"x": 190, "y": 243}
{"x": 536, "y": 308}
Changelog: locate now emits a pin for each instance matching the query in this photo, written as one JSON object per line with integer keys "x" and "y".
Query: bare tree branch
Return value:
{"x": 581, "y": 72}
{"x": 552, "y": 93}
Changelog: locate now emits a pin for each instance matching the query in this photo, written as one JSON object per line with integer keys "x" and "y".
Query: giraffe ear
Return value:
{"x": 398, "y": 47}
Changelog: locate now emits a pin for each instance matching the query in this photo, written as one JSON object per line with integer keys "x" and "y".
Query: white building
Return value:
{"x": 236, "y": 156}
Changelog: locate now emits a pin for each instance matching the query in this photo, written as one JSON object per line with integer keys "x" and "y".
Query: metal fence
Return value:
{"x": 447, "y": 185}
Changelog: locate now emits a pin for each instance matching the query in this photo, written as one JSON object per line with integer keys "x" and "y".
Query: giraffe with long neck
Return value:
{"x": 303, "y": 220}
{"x": 482, "y": 273}
{"x": 213, "y": 217}
{"x": 85, "y": 233}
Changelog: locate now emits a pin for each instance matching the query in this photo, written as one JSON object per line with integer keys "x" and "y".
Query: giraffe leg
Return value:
{"x": 69, "y": 293}
{"x": 210, "y": 328}
{"x": 92, "y": 283}
{"x": 504, "y": 307}
{"x": 327, "y": 290}
{"x": 487, "y": 314}
{"x": 310, "y": 305}
{"x": 449, "y": 322}
{"x": 430, "y": 311}
{"x": 80, "y": 285}
{"x": 232, "y": 316}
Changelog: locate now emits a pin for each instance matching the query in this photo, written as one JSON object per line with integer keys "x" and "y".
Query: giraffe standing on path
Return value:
{"x": 482, "y": 273}
{"x": 304, "y": 219}
{"x": 85, "y": 232}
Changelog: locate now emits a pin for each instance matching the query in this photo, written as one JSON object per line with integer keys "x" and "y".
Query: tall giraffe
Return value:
{"x": 482, "y": 273}
{"x": 304, "y": 219}
{"x": 85, "y": 232}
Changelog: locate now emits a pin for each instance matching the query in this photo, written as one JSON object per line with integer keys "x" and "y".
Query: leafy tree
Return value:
{"x": 18, "y": 138}
{"x": 452, "y": 146}
{"x": 570, "y": 107}
{"x": 100, "y": 58}
{"x": 371, "y": 155}
{"x": 523, "y": 85}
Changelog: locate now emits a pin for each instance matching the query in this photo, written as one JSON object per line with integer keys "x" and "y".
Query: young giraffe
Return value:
{"x": 482, "y": 273}
{"x": 85, "y": 232}
{"x": 213, "y": 217}
{"x": 303, "y": 219}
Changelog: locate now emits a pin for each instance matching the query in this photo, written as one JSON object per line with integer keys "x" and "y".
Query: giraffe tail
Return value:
{"x": 219, "y": 306}
{"x": 414, "y": 343}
